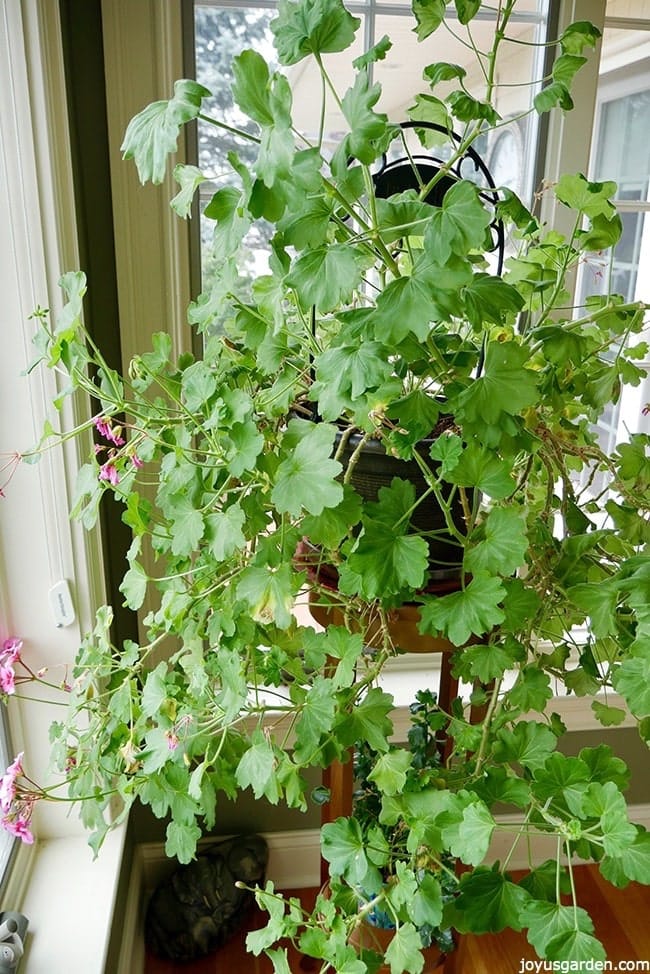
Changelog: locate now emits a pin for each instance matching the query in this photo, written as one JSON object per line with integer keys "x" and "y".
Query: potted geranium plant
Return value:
{"x": 382, "y": 321}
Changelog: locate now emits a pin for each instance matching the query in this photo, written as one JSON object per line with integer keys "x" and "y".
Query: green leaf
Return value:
{"x": 528, "y": 743}
{"x": 604, "y": 766}
{"x": 307, "y": 227}
{"x": 250, "y": 87}
{"x": 153, "y": 133}
{"x": 269, "y": 593}
{"x": 245, "y": 443}
{"x": 428, "y": 108}
{"x": 376, "y": 53}
{"x": 467, "y": 109}
{"x": 333, "y": 523}
{"x": 259, "y": 940}
{"x": 506, "y": 385}
{"x": 631, "y": 679}
{"x": 429, "y": 14}
{"x": 489, "y": 902}
{"x": 608, "y": 716}
{"x": 316, "y": 718}
{"x": 579, "y": 35}
{"x": 490, "y": 299}
{"x": 543, "y": 881}
{"x": 576, "y": 946}
{"x": 443, "y": 71}
{"x": 280, "y": 960}
{"x": 480, "y": 467}
{"x": 134, "y": 586}
{"x": 343, "y": 846}
{"x": 198, "y": 384}
{"x": 389, "y": 771}
{"x": 447, "y": 451}
{"x": 425, "y": 907}
{"x": 257, "y": 770}
{"x": 549, "y": 921}
{"x": 565, "y": 68}
{"x": 521, "y": 604}
{"x": 366, "y": 126}
{"x": 532, "y": 690}
{"x": 469, "y": 833}
{"x": 604, "y": 801}
{"x": 485, "y": 662}
{"x": 224, "y": 532}
{"x": 306, "y": 478}
{"x": 472, "y": 611}
{"x": 633, "y": 863}
{"x": 384, "y": 562}
{"x": 312, "y": 27}
{"x": 182, "y": 840}
{"x": 562, "y": 777}
{"x": 154, "y": 692}
{"x": 459, "y": 225}
{"x": 499, "y": 785}
{"x": 503, "y": 543}
{"x": 186, "y": 527}
{"x": 227, "y": 210}
{"x": 598, "y": 601}
{"x": 189, "y": 179}
{"x": 555, "y": 95}
{"x": 406, "y": 306}
{"x": 591, "y": 198}
{"x": 368, "y": 721}
{"x": 467, "y": 9}
{"x": 385, "y": 559}
{"x": 404, "y": 952}
{"x": 326, "y": 277}
{"x": 345, "y": 373}
{"x": 401, "y": 215}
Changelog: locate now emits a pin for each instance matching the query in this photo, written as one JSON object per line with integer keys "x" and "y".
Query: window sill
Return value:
{"x": 69, "y": 901}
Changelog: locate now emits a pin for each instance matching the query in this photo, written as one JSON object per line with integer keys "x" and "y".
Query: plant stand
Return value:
{"x": 339, "y": 779}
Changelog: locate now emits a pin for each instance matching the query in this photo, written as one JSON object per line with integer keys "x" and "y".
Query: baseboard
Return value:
{"x": 294, "y": 863}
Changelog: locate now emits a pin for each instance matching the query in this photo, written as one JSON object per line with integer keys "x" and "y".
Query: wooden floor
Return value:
{"x": 621, "y": 918}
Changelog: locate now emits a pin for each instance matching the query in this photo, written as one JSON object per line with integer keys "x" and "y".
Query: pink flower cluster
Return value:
{"x": 108, "y": 471}
{"x": 9, "y": 655}
{"x": 16, "y": 804}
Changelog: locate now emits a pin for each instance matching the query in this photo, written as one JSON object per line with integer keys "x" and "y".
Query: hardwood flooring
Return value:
{"x": 621, "y": 918}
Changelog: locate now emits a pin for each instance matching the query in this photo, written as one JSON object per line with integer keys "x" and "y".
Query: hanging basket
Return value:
{"x": 375, "y": 468}
{"x": 415, "y": 171}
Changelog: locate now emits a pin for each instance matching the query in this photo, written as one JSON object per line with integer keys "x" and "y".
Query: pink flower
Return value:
{"x": 19, "y": 826}
{"x": 9, "y": 655}
{"x": 172, "y": 740}
{"x": 136, "y": 461}
{"x": 108, "y": 471}
{"x": 11, "y": 650}
{"x": 8, "y": 782}
{"x": 105, "y": 429}
{"x": 7, "y": 680}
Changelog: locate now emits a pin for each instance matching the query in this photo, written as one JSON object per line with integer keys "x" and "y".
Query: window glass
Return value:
{"x": 222, "y": 32}
{"x": 621, "y": 152}
{"x": 7, "y": 842}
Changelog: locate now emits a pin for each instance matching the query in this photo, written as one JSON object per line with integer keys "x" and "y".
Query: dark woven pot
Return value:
{"x": 375, "y": 469}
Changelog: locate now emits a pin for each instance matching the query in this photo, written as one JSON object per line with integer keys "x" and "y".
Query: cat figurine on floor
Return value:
{"x": 199, "y": 907}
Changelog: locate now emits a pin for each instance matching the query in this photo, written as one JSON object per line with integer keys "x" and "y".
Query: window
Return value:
{"x": 7, "y": 843}
{"x": 223, "y": 29}
{"x": 621, "y": 152}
